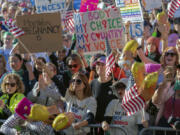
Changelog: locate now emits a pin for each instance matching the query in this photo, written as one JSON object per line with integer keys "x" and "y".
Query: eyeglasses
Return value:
{"x": 73, "y": 66}
{"x": 171, "y": 54}
{"x": 10, "y": 84}
{"x": 77, "y": 81}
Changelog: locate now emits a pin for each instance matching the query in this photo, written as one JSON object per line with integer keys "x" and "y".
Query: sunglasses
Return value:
{"x": 73, "y": 66}
{"x": 77, "y": 81}
{"x": 10, "y": 84}
{"x": 171, "y": 54}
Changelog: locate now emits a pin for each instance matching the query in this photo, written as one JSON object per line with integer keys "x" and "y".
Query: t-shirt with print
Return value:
{"x": 80, "y": 108}
{"x": 119, "y": 117}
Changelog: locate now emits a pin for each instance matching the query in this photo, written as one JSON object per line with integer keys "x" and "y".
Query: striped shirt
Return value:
{"x": 14, "y": 121}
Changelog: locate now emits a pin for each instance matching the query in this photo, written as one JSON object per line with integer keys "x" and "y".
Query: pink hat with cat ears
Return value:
{"x": 23, "y": 108}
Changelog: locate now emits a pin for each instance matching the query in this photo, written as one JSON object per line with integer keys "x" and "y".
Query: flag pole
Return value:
{"x": 22, "y": 44}
{"x": 112, "y": 75}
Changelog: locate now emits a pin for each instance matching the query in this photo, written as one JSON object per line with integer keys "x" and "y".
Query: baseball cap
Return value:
{"x": 120, "y": 83}
{"x": 101, "y": 59}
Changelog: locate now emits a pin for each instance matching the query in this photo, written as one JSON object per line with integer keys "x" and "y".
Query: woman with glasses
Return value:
{"x": 24, "y": 70}
{"x": 167, "y": 98}
{"x": 13, "y": 89}
{"x": 80, "y": 101}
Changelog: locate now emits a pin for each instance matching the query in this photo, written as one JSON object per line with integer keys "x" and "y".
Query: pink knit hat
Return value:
{"x": 149, "y": 68}
{"x": 23, "y": 108}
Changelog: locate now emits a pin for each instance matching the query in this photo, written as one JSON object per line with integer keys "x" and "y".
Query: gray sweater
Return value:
{"x": 48, "y": 96}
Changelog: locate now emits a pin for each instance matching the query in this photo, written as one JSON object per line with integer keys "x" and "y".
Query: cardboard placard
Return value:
{"x": 42, "y": 32}
{"x": 130, "y": 10}
{"x": 92, "y": 28}
{"x": 50, "y": 6}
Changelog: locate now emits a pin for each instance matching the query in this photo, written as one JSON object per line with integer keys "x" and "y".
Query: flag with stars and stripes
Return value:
{"x": 69, "y": 21}
{"x": 173, "y": 6}
{"x": 17, "y": 32}
{"x": 132, "y": 101}
{"x": 110, "y": 60}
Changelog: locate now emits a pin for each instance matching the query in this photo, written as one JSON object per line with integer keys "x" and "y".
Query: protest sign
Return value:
{"x": 130, "y": 10}
{"x": 77, "y": 4}
{"x": 136, "y": 29}
{"x": 88, "y": 5}
{"x": 94, "y": 26}
{"x": 50, "y": 6}
{"x": 151, "y": 4}
{"x": 42, "y": 32}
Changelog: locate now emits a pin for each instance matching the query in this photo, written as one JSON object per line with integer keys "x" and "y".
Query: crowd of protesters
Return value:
{"x": 65, "y": 79}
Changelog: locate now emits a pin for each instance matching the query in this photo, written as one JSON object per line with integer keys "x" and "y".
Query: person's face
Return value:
{"x": 147, "y": 32}
{"x": 61, "y": 55}
{"x": 100, "y": 68}
{"x": 51, "y": 69}
{"x": 177, "y": 27}
{"x": 121, "y": 92}
{"x": 5, "y": 12}
{"x": 38, "y": 65}
{"x": 66, "y": 42}
{"x": 170, "y": 58}
{"x": 10, "y": 86}
{"x": 151, "y": 48}
{"x": 45, "y": 76}
{"x": 77, "y": 85}
{"x": 15, "y": 63}
{"x": 73, "y": 66}
{"x": 11, "y": 12}
{"x": 8, "y": 40}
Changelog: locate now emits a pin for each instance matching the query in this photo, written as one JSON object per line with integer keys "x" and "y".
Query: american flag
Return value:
{"x": 132, "y": 102}
{"x": 69, "y": 21}
{"x": 110, "y": 60}
{"x": 17, "y": 32}
{"x": 174, "y": 5}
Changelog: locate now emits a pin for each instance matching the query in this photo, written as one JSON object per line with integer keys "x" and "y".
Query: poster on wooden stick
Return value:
{"x": 42, "y": 32}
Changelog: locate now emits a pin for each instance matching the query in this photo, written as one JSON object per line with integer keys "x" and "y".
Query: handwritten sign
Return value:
{"x": 130, "y": 10}
{"x": 136, "y": 30}
{"x": 42, "y": 32}
{"x": 50, "y": 6}
{"x": 88, "y": 5}
{"x": 151, "y": 4}
{"x": 93, "y": 27}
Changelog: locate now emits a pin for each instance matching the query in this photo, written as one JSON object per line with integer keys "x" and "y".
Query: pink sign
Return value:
{"x": 88, "y": 5}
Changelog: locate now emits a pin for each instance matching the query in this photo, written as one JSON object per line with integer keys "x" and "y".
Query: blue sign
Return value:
{"x": 77, "y": 4}
{"x": 49, "y": 6}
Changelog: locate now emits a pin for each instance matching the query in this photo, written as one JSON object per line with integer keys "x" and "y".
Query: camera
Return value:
{"x": 174, "y": 121}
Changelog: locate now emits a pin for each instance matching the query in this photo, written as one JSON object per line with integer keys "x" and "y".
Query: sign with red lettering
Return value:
{"x": 92, "y": 28}
{"x": 42, "y": 32}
